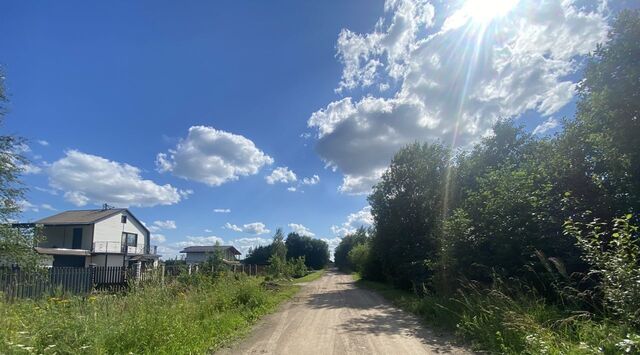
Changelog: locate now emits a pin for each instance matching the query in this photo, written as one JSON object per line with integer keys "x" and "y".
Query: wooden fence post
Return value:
{"x": 162, "y": 275}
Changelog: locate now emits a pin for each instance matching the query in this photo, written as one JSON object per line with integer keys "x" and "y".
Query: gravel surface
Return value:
{"x": 333, "y": 316}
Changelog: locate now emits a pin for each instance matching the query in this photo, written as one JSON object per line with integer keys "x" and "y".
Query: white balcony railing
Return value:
{"x": 117, "y": 247}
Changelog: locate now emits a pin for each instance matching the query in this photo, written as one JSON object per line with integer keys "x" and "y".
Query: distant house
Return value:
{"x": 104, "y": 237}
{"x": 200, "y": 253}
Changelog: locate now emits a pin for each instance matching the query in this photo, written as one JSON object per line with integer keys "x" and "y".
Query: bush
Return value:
{"x": 298, "y": 267}
{"x": 613, "y": 251}
{"x": 359, "y": 256}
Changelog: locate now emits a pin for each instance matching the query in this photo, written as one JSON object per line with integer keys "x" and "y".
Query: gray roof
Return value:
{"x": 76, "y": 217}
{"x": 79, "y": 216}
{"x": 209, "y": 249}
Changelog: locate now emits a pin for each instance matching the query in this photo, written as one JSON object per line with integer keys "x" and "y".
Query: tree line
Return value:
{"x": 314, "y": 252}
{"x": 554, "y": 213}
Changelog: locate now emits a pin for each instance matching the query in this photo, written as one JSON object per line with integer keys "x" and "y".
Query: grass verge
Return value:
{"x": 195, "y": 315}
{"x": 490, "y": 320}
{"x": 311, "y": 276}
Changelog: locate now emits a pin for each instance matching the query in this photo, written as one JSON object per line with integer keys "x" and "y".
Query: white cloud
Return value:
{"x": 198, "y": 240}
{"x": 26, "y": 206}
{"x": 30, "y": 169}
{"x": 22, "y": 148}
{"x": 43, "y": 143}
{"x": 281, "y": 174}
{"x": 244, "y": 244}
{"x": 49, "y": 191}
{"x": 300, "y": 229}
{"x": 221, "y": 210}
{"x": 169, "y": 252}
{"x": 158, "y": 238}
{"x": 252, "y": 228}
{"x": 212, "y": 157}
{"x": 311, "y": 180}
{"x": 292, "y": 189}
{"x": 255, "y": 228}
{"x": 86, "y": 178}
{"x": 451, "y": 83}
{"x": 232, "y": 227}
{"x": 549, "y": 124}
{"x": 208, "y": 231}
{"x": 362, "y": 218}
{"x": 168, "y": 224}
{"x": 46, "y": 206}
{"x": 333, "y": 244}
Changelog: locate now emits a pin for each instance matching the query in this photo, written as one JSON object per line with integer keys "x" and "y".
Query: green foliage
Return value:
{"x": 198, "y": 317}
{"x": 599, "y": 149}
{"x": 314, "y": 251}
{"x": 259, "y": 255}
{"x": 298, "y": 267}
{"x": 341, "y": 254}
{"x": 446, "y": 221}
{"x": 312, "y": 276}
{"x": 16, "y": 245}
{"x": 514, "y": 321}
{"x": 215, "y": 262}
{"x": 278, "y": 247}
{"x": 359, "y": 257}
{"x": 613, "y": 251}
{"x": 408, "y": 205}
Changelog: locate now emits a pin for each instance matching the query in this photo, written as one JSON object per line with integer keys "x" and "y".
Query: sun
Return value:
{"x": 488, "y": 10}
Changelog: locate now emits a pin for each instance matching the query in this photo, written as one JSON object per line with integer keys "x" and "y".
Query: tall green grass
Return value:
{"x": 196, "y": 315}
{"x": 491, "y": 320}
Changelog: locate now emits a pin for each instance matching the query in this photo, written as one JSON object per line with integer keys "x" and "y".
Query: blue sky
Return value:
{"x": 177, "y": 109}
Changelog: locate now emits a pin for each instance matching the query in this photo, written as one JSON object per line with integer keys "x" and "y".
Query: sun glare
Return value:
{"x": 487, "y": 10}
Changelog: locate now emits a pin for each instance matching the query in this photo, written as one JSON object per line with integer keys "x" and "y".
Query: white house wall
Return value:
{"x": 111, "y": 229}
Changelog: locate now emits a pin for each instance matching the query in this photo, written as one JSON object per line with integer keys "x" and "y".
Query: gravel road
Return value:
{"x": 333, "y": 316}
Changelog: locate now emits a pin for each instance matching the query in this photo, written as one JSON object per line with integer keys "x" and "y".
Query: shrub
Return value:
{"x": 359, "y": 256}
{"x": 613, "y": 251}
{"x": 298, "y": 267}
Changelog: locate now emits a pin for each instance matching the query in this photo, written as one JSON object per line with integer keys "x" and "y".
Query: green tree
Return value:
{"x": 599, "y": 149}
{"x": 341, "y": 254}
{"x": 259, "y": 255}
{"x": 359, "y": 257}
{"x": 314, "y": 251}
{"x": 278, "y": 267}
{"x": 16, "y": 245}
{"x": 215, "y": 261}
{"x": 407, "y": 205}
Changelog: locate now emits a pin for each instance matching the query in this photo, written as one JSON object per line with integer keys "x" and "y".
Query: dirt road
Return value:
{"x": 333, "y": 316}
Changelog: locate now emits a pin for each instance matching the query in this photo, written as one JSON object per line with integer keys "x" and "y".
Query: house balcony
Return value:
{"x": 120, "y": 248}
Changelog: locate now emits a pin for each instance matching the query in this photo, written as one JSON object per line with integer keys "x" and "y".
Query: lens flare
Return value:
{"x": 487, "y": 10}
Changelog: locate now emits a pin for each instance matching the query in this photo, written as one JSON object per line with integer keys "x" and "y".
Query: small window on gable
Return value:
{"x": 123, "y": 219}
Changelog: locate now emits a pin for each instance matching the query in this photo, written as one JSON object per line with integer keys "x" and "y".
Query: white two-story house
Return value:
{"x": 104, "y": 237}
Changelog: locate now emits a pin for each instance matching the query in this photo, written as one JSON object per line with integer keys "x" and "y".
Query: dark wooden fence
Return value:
{"x": 16, "y": 283}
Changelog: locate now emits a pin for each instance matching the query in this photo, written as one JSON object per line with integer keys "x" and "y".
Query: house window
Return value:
{"x": 130, "y": 239}
{"x": 123, "y": 219}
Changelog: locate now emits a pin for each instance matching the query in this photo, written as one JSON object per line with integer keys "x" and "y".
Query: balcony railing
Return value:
{"x": 118, "y": 247}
